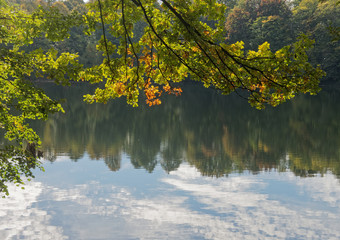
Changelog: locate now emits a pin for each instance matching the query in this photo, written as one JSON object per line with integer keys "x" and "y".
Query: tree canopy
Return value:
{"x": 148, "y": 47}
{"x": 20, "y": 100}
{"x": 279, "y": 22}
{"x": 184, "y": 38}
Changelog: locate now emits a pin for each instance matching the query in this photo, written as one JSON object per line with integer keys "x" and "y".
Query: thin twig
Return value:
{"x": 131, "y": 43}
{"x": 105, "y": 39}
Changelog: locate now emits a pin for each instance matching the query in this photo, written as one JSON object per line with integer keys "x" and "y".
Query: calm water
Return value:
{"x": 201, "y": 166}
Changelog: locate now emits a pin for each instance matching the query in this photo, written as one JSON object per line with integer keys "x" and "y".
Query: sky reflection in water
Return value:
{"x": 85, "y": 200}
{"x": 117, "y": 173}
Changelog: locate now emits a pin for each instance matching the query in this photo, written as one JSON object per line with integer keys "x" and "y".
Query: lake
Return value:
{"x": 199, "y": 166}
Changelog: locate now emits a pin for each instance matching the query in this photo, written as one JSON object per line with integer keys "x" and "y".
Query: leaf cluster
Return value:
{"x": 177, "y": 42}
{"x": 20, "y": 99}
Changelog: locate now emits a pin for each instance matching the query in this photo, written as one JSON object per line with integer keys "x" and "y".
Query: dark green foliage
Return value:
{"x": 280, "y": 23}
{"x": 320, "y": 20}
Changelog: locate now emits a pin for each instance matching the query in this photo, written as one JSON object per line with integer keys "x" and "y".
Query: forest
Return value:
{"x": 254, "y": 22}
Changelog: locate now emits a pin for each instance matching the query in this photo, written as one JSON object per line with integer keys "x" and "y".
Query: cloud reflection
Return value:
{"x": 186, "y": 206}
{"x": 253, "y": 215}
{"x": 327, "y": 191}
{"x": 19, "y": 219}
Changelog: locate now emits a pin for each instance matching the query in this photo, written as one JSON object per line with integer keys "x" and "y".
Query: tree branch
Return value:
{"x": 105, "y": 39}
{"x": 128, "y": 36}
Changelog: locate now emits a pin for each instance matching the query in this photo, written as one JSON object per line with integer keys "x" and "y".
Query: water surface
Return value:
{"x": 201, "y": 166}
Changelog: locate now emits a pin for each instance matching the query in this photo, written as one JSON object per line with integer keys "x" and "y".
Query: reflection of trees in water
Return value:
{"x": 216, "y": 134}
{"x": 113, "y": 162}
